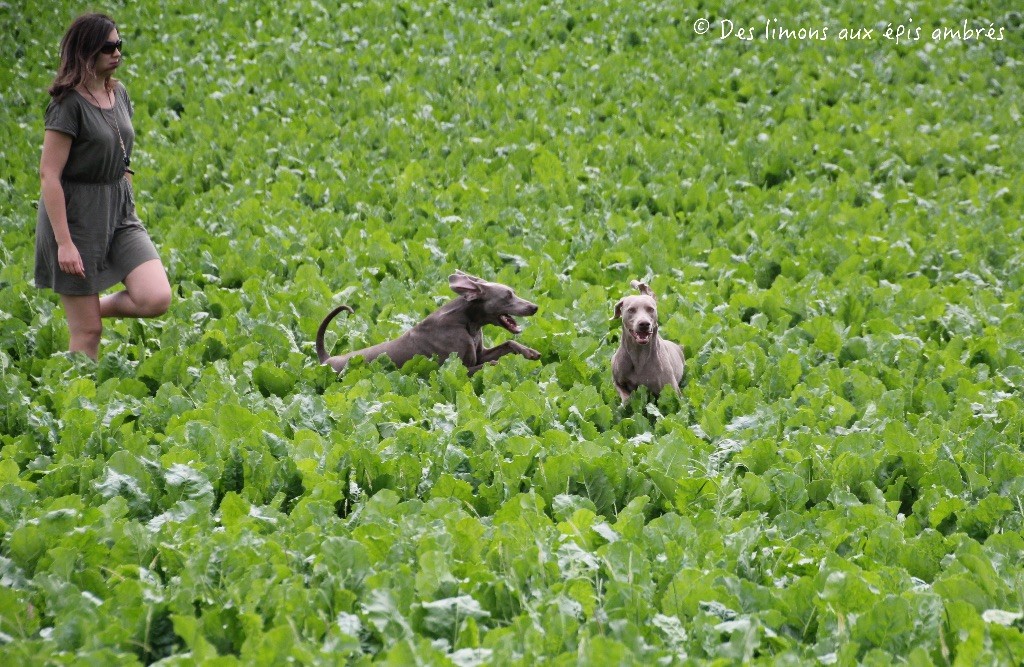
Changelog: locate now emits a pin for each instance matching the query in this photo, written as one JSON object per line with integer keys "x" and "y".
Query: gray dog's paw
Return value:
{"x": 529, "y": 353}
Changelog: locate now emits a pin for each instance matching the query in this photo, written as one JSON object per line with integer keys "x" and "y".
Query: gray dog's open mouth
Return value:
{"x": 510, "y": 323}
{"x": 641, "y": 337}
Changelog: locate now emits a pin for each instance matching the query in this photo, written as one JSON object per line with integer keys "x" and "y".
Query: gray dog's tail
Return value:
{"x": 320, "y": 351}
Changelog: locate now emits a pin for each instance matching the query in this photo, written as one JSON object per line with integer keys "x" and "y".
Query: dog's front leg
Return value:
{"x": 473, "y": 369}
{"x": 508, "y": 347}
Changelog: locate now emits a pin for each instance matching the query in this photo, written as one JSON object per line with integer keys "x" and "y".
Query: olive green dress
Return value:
{"x": 99, "y": 199}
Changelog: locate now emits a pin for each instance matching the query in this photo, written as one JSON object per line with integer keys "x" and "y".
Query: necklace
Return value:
{"x": 113, "y": 125}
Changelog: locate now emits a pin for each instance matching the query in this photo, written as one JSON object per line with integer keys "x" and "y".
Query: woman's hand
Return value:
{"x": 70, "y": 260}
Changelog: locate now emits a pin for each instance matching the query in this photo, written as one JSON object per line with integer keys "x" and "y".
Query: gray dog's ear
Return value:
{"x": 643, "y": 288}
{"x": 617, "y": 313}
{"x": 465, "y": 285}
{"x": 460, "y": 272}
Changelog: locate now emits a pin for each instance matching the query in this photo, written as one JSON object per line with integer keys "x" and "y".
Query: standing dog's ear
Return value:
{"x": 643, "y": 288}
{"x": 617, "y": 313}
{"x": 465, "y": 285}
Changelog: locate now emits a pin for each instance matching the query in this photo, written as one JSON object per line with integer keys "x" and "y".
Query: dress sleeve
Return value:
{"x": 62, "y": 116}
{"x": 127, "y": 100}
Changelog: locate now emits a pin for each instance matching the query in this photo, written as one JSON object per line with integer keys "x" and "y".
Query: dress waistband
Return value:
{"x": 116, "y": 181}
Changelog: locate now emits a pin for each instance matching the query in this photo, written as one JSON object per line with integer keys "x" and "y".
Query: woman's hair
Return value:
{"x": 78, "y": 50}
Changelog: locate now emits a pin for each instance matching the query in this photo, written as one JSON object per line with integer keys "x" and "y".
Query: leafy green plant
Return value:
{"x": 833, "y": 234}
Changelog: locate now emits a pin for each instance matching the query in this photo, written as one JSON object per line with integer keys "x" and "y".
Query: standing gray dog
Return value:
{"x": 454, "y": 328}
{"x": 644, "y": 358}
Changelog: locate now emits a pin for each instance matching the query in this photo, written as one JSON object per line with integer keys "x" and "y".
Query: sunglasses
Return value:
{"x": 109, "y": 47}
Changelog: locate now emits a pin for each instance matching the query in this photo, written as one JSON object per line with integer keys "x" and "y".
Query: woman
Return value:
{"x": 88, "y": 236}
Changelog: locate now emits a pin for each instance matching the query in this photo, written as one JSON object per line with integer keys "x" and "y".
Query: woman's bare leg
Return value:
{"x": 84, "y": 324}
{"x": 147, "y": 293}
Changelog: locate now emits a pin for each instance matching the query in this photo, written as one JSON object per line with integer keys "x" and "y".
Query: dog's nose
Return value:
{"x": 643, "y": 326}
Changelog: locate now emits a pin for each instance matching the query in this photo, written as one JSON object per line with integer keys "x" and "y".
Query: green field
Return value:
{"x": 832, "y": 223}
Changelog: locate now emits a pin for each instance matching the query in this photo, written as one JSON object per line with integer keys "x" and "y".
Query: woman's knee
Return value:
{"x": 153, "y": 302}
{"x": 85, "y": 333}
{"x": 148, "y": 289}
{"x": 84, "y": 324}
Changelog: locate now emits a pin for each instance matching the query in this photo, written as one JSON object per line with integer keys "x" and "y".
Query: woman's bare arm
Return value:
{"x": 56, "y": 148}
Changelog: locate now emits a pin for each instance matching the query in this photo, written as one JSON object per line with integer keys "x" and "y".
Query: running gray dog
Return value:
{"x": 454, "y": 328}
{"x": 644, "y": 358}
